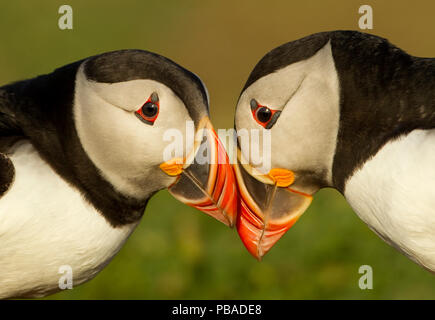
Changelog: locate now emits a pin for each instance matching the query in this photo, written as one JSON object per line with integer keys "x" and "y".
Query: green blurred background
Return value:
{"x": 178, "y": 252}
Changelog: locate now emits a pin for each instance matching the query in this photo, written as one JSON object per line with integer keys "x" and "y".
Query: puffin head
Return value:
{"x": 329, "y": 102}
{"x": 143, "y": 120}
{"x": 292, "y": 97}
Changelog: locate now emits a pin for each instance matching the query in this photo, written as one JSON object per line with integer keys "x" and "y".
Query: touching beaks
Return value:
{"x": 262, "y": 206}
{"x": 208, "y": 185}
{"x": 268, "y": 207}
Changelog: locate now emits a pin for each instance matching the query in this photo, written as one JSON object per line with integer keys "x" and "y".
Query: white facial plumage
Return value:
{"x": 305, "y": 135}
{"x": 126, "y": 150}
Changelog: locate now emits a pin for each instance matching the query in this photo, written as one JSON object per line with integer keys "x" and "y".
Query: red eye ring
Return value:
{"x": 150, "y": 110}
{"x": 264, "y": 116}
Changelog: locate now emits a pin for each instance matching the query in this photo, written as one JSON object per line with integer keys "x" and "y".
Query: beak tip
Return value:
{"x": 258, "y": 227}
{"x": 259, "y": 237}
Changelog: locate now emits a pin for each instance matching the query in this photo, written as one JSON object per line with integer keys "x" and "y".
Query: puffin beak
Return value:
{"x": 205, "y": 178}
{"x": 268, "y": 207}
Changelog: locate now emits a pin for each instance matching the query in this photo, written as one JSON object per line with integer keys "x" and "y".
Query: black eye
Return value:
{"x": 263, "y": 114}
{"x": 149, "y": 109}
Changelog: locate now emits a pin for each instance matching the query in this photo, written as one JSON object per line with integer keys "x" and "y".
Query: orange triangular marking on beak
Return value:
{"x": 173, "y": 167}
{"x": 282, "y": 177}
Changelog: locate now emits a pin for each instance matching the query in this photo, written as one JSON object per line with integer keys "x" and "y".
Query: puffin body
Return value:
{"x": 83, "y": 149}
{"x": 46, "y": 223}
{"x": 357, "y": 114}
{"x": 394, "y": 193}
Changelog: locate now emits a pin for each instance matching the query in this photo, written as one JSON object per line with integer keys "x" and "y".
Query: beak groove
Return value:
{"x": 209, "y": 187}
{"x": 267, "y": 212}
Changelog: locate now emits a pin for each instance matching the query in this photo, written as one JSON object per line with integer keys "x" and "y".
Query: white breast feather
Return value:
{"x": 394, "y": 193}
{"x": 44, "y": 224}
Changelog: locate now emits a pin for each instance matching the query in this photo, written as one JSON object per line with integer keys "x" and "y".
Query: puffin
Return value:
{"x": 344, "y": 110}
{"x": 84, "y": 148}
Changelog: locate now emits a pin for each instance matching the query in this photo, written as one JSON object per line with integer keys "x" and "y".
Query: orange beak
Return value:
{"x": 208, "y": 185}
{"x": 268, "y": 207}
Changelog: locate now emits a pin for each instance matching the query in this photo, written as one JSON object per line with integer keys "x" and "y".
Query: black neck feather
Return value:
{"x": 384, "y": 93}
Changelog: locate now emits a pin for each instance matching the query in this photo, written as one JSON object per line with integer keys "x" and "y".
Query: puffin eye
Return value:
{"x": 265, "y": 116}
{"x": 149, "y": 111}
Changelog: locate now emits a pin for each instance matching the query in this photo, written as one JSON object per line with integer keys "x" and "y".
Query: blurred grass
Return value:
{"x": 178, "y": 252}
